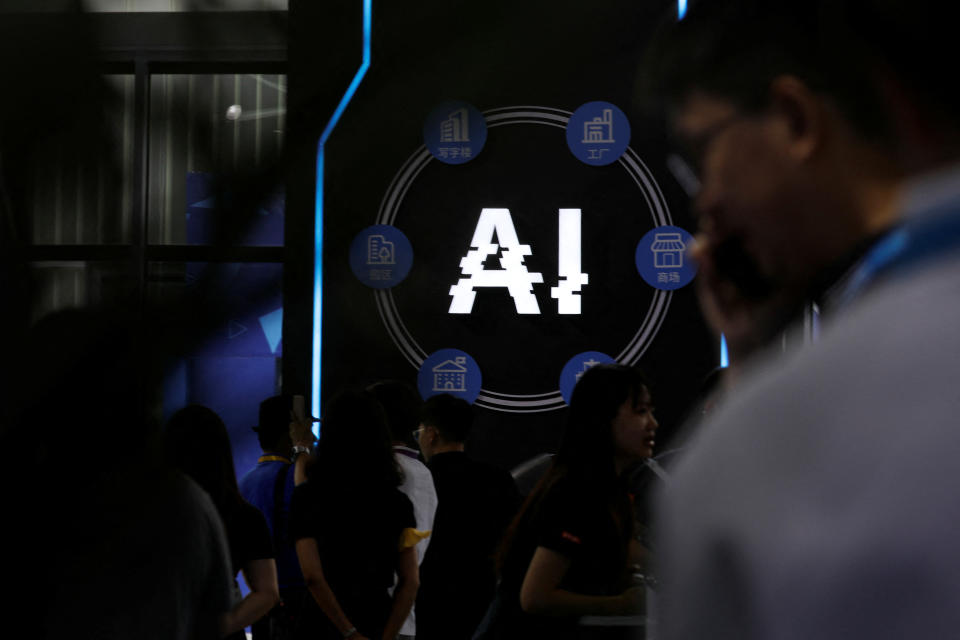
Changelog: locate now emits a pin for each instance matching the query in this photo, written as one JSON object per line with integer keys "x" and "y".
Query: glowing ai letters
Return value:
{"x": 514, "y": 274}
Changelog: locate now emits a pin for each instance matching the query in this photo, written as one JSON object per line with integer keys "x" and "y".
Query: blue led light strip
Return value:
{"x": 681, "y": 9}
{"x": 318, "y": 218}
{"x": 724, "y": 355}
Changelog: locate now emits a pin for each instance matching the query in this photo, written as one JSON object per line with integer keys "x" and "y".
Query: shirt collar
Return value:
{"x": 273, "y": 457}
{"x": 405, "y": 451}
{"x": 930, "y": 192}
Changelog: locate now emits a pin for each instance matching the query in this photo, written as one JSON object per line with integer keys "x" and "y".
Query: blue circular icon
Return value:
{"x": 455, "y": 132}
{"x": 663, "y": 260}
{"x": 598, "y": 133}
{"x": 449, "y": 371}
{"x": 381, "y": 256}
{"x": 576, "y": 367}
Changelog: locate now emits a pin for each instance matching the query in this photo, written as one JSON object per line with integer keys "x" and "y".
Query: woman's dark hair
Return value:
{"x": 196, "y": 442}
{"x": 355, "y": 452}
{"x": 586, "y": 453}
{"x": 401, "y": 405}
{"x": 587, "y": 448}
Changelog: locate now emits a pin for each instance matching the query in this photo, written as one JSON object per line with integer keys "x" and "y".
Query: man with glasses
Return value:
{"x": 401, "y": 405}
{"x": 818, "y": 501}
{"x": 476, "y": 503}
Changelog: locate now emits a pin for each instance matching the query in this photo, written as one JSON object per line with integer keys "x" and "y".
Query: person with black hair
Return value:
{"x": 818, "y": 501}
{"x": 401, "y": 405}
{"x": 269, "y": 487}
{"x": 476, "y": 503}
{"x": 196, "y": 442}
{"x": 785, "y": 154}
{"x": 567, "y": 553}
{"x": 353, "y": 528}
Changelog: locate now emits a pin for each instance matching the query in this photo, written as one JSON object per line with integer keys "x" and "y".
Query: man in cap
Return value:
{"x": 269, "y": 487}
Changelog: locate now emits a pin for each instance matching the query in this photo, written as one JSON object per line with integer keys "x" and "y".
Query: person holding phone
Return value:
{"x": 818, "y": 501}
{"x": 269, "y": 487}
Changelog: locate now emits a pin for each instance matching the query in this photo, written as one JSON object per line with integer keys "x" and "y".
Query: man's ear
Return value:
{"x": 802, "y": 113}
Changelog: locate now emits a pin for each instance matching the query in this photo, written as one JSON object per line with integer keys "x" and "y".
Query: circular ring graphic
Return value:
{"x": 635, "y": 348}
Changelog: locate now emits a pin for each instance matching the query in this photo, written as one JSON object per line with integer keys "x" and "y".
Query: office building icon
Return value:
{"x": 456, "y": 128}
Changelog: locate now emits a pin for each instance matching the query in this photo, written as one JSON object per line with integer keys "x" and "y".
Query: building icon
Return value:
{"x": 668, "y": 249}
{"x": 380, "y": 250}
{"x": 450, "y": 375}
{"x": 600, "y": 129}
{"x": 456, "y": 128}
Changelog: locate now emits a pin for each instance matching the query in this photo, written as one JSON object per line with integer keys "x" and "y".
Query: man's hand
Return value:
{"x": 749, "y": 315}
{"x": 301, "y": 431}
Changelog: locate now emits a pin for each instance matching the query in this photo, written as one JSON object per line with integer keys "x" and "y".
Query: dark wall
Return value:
{"x": 492, "y": 55}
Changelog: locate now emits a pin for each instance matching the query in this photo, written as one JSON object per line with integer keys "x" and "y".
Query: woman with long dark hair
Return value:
{"x": 354, "y": 529}
{"x": 567, "y": 552}
{"x": 196, "y": 442}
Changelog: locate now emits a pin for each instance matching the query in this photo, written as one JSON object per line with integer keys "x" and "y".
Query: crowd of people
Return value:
{"x": 385, "y": 528}
{"x": 812, "y": 498}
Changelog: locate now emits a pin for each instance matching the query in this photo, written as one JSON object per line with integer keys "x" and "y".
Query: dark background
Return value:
{"x": 492, "y": 55}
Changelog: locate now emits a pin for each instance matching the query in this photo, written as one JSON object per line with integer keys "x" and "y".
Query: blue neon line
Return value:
{"x": 724, "y": 355}
{"x": 318, "y": 207}
{"x": 681, "y": 9}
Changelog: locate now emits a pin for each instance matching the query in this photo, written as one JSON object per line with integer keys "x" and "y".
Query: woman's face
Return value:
{"x": 633, "y": 428}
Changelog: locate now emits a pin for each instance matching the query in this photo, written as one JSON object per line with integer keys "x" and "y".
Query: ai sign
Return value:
{"x": 495, "y": 233}
{"x": 524, "y": 257}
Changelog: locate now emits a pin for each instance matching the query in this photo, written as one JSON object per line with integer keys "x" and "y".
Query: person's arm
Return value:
{"x": 261, "y": 577}
{"x": 300, "y": 469}
{"x": 309, "y": 556}
{"x": 405, "y": 593}
{"x": 301, "y": 434}
{"x": 541, "y": 594}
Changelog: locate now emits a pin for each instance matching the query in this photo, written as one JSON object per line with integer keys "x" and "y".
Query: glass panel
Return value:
{"x": 65, "y": 285}
{"x": 205, "y": 126}
{"x": 82, "y": 196}
{"x": 236, "y": 363}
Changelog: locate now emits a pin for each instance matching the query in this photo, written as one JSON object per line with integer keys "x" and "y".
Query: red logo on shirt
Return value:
{"x": 566, "y": 535}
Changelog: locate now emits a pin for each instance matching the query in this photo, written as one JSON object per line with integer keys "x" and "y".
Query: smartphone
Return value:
{"x": 735, "y": 265}
{"x": 299, "y": 412}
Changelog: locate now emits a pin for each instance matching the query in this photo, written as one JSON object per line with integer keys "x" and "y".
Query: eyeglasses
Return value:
{"x": 417, "y": 432}
{"x": 686, "y": 164}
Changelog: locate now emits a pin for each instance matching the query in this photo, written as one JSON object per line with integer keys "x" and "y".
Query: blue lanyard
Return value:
{"x": 907, "y": 247}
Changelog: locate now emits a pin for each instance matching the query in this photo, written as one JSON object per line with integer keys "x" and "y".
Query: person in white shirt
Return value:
{"x": 402, "y": 406}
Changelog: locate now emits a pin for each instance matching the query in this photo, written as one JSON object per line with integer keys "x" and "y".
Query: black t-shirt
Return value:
{"x": 592, "y": 530}
{"x": 475, "y": 504}
{"x": 358, "y": 538}
{"x": 248, "y": 536}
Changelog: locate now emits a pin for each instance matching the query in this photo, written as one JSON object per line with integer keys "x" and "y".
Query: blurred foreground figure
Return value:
{"x": 117, "y": 546}
{"x": 819, "y": 501}
{"x": 196, "y": 442}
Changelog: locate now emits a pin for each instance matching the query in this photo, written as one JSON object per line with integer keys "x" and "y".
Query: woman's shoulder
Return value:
{"x": 568, "y": 491}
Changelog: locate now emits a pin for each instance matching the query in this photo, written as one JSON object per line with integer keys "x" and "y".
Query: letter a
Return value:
{"x": 514, "y": 275}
